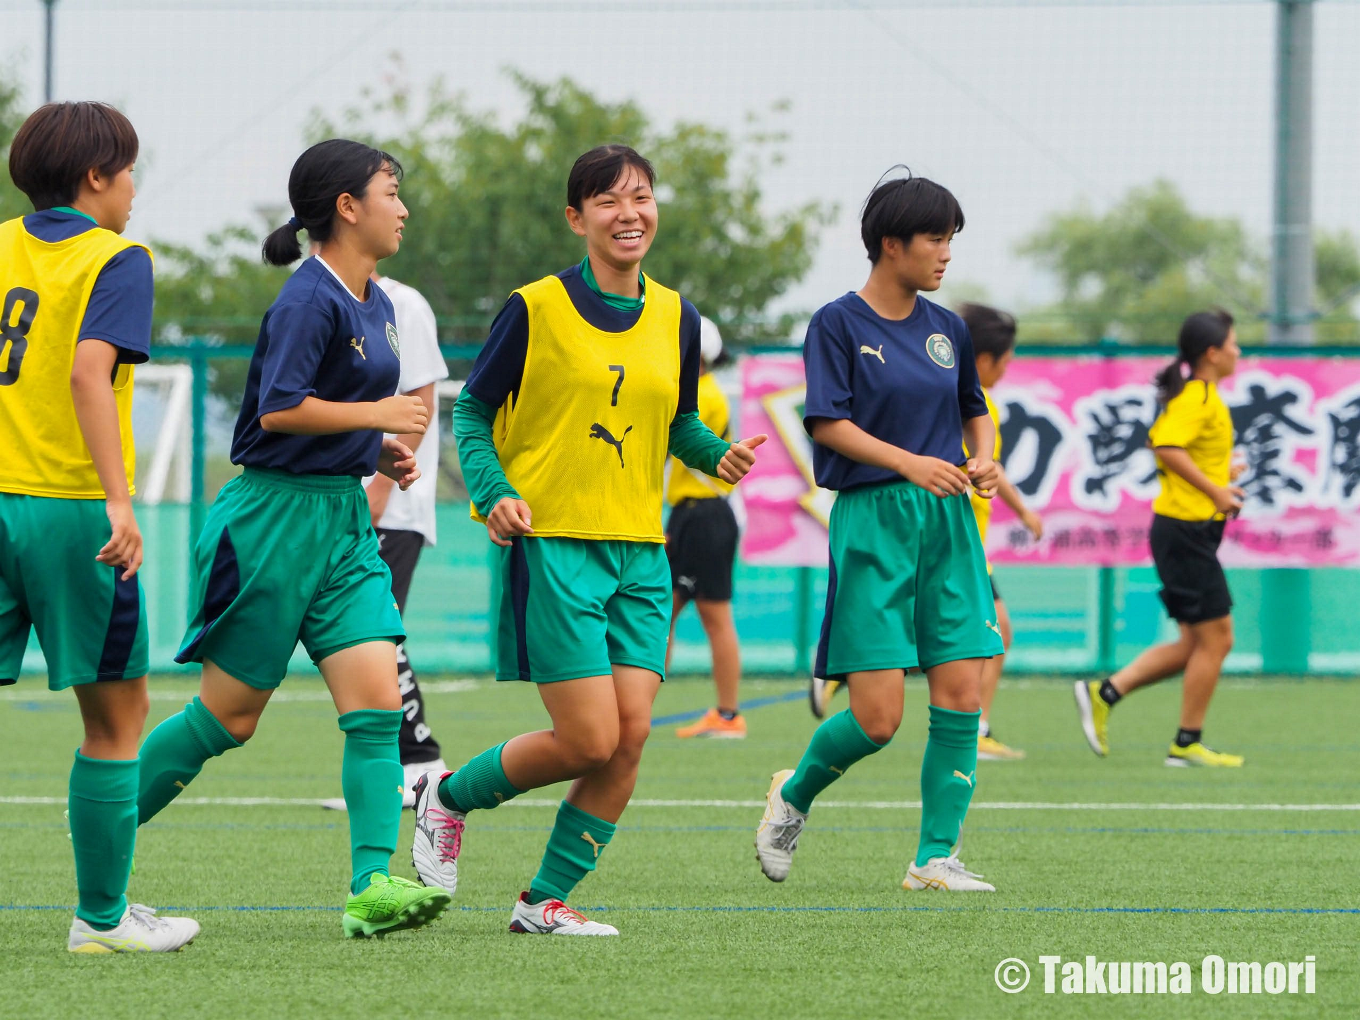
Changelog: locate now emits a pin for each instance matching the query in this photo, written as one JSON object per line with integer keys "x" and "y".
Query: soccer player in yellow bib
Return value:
{"x": 1193, "y": 439}
{"x": 993, "y": 334}
{"x": 75, "y": 317}
{"x": 701, "y": 545}
{"x": 588, "y": 378}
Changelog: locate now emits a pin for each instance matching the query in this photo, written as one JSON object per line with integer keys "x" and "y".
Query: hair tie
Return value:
{"x": 295, "y": 224}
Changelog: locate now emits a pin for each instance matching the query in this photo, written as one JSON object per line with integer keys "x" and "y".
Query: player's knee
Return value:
{"x": 592, "y": 749}
{"x": 241, "y": 727}
{"x": 881, "y": 727}
{"x": 633, "y": 734}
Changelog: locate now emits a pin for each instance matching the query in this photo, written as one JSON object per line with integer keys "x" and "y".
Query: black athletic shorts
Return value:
{"x": 1194, "y": 587}
{"x": 701, "y": 544}
{"x": 996, "y": 592}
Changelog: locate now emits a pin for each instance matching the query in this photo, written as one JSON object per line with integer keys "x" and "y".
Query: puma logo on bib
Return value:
{"x": 598, "y": 431}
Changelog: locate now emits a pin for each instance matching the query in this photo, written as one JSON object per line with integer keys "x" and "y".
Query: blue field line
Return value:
{"x": 775, "y": 909}
{"x": 746, "y": 706}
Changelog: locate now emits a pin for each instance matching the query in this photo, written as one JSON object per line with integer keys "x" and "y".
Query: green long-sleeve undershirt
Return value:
{"x": 691, "y": 440}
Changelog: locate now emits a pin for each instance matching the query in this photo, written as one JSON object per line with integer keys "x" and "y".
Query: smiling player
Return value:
{"x": 586, "y": 381}
{"x": 892, "y": 396}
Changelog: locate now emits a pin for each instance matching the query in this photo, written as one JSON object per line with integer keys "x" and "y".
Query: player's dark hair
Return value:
{"x": 322, "y": 174}
{"x": 61, "y": 142}
{"x": 904, "y": 207}
{"x": 992, "y": 330}
{"x": 595, "y": 172}
{"x": 1199, "y": 332}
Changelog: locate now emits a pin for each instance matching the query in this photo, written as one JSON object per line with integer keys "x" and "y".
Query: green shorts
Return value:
{"x": 908, "y": 584}
{"x": 285, "y": 558}
{"x": 573, "y": 607}
{"x": 91, "y": 624}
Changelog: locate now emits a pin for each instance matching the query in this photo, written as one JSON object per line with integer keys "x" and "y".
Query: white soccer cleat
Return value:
{"x": 780, "y": 827}
{"x": 140, "y": 931}
{"x": 439, "y": 835}
{"x": 412, "y": 773}
{"x": 335, "y": 804}
{"x": 553, "y": 917}
{"x": 946, "y": 874}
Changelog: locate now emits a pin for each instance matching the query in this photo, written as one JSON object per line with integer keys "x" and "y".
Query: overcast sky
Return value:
{"x": 1020, "y": 109}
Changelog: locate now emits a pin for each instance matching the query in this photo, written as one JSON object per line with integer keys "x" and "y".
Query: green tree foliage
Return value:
{"x": 12, "y": 201}
{"x": 1134, "y": 272}
{"x": 487, "y": 207}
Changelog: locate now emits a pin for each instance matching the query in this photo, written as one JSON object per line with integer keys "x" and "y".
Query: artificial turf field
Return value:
{"x": 1111, "y": 858}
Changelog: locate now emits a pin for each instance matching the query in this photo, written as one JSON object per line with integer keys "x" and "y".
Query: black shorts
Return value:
{"x": 400, "y": 550}
{"x": 701, "y": 544}
{"x": 996, "y": 592}
{"x": 1194, "y": 587}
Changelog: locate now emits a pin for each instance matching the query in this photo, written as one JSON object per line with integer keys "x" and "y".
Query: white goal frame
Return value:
{"x": 167, "y": 476}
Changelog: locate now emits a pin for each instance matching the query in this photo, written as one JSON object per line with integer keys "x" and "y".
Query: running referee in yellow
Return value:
{"x": 1193, "y": 438}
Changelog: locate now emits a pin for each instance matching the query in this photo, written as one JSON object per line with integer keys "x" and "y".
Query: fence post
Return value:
{"x": 802, "y": 620}
{"x": 198, "y": 361}
{"x": 1105, "y": 625}
{"x": 1286, "y": 621}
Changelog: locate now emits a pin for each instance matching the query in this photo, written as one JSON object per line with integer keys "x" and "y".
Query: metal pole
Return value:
{"x": 1292, "y": 263}
{"x": 51, "y": 19}
{"x": 1285, "y": 593}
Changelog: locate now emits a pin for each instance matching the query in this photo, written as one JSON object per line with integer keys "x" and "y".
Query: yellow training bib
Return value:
{"x": 686, "y": 483}
{"x": 585, "y": 441}
{"x": 982, "y": 508}
{"x": 44, "y": 290}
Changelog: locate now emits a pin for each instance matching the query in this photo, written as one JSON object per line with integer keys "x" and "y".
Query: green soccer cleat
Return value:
{"x": 391, "y": 904}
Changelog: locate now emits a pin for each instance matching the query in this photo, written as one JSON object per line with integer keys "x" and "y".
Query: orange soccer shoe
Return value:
{"x": 714, "y": 725}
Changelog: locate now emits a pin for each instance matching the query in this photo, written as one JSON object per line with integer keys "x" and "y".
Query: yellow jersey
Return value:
{"x": 45, "y": 289}
{"x": 686, "y": 483}
{"x": 982, "y": 508}
{"x": 1197, "y": 421}
{"x": 585, "y": 440}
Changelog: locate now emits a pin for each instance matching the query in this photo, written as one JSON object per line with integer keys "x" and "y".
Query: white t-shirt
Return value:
{"x": 421, "y": 364}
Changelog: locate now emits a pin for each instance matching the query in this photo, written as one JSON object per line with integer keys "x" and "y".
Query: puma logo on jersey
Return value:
{"x": 866, "y": 349}
{"x": 597, "y": 847}
{"x": 967, "y": 779}
{"x": 358, "y": 345}
{"x": 598, "y": 431}
{"x": 992, "y": 626}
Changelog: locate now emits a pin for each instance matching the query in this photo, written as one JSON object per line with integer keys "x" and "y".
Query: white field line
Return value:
{"x": 182, "y": 692}
{"x": 865, "y": 805}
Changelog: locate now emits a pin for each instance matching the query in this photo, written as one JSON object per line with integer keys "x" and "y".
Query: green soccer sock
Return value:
{"x": 838, "y": 743}
{"x": 371, "y": 778}
{"x": 481, "y": 783}
{"x": 173, "y": 754}
{"x": 948, "y": 774}
{"x": 574, "y": 848}
{"x": 103, "y": 810}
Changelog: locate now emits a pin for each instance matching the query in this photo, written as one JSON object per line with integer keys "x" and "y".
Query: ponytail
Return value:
{"x": 281, "y": 247}
{"x": 1170, "y": 381}
{"x": 1199, "y": 333}
{"x": 321, "y": 175}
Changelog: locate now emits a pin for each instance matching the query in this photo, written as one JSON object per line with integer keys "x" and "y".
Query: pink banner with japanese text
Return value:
{"x": 1075, "y": 444}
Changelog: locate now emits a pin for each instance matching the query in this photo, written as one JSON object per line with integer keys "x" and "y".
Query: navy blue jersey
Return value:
{"x": 500, "y": 365}
{"x": 119, "y": 310}
{"x": 910, "y": 382}
{"x": 318, "y": 340}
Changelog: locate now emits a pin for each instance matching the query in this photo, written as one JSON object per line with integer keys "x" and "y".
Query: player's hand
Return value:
{"x": 1238, "y": 468}
{"x": 509, "y": 519}
{"x": 985, "y": 476}
{"x": 1033, "y": 523}
{"x": 934, "y": 475}
{"x": 1228, "y": 500}
{"x": 398, "y": 463}
{"x": 124, "y": 547}
{"x": 402, "y": 415}
{"x": 739, "y": 459}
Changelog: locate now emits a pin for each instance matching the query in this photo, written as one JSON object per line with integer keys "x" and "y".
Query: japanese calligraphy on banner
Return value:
{"x": 1075, "y": 443}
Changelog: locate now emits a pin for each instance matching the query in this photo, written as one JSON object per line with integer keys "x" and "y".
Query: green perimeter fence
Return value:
{"x": 1075, "y": 620}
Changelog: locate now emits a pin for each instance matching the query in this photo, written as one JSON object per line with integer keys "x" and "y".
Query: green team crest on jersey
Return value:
{"x": 941, "y": 351}
{"x": 392, "y": 339}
